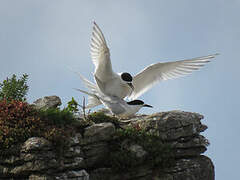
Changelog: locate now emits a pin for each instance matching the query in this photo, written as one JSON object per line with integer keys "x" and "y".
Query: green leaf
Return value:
{"x": 14, "y": 89}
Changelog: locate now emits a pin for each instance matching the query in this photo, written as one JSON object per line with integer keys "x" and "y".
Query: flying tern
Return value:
{"x": 114, "y": 84}
{"x": 123, "y": 84}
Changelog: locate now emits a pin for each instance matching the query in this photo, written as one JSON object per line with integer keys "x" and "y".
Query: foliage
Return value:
{"x": 72, "y": 106}
{"x": 20, "y": 121}
{"x": 14, "y": 88}
{"x": 160, "y": 154}
{"x": 56, "y": 116}
{"x": 122, "y": 159}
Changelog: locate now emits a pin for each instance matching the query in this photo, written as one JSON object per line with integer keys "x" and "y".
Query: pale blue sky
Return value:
{"x": 42, "y": 38}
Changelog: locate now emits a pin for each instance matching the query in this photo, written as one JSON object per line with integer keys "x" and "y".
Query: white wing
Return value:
{"x": 99, "y": 51}
{"x": 92, "y": 100}
{"x": 91, "y": 86}
{"x": 88, "y": 93}
{"x": 154, "y": 73}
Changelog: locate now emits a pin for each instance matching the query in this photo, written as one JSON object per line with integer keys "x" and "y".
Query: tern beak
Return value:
{"x": 146, "y": 105}
{"x": 131, "y": 86}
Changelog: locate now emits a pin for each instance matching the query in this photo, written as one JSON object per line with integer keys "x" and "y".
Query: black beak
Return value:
{"x": 146, "y": 105}
{"x": 131, "y": 86}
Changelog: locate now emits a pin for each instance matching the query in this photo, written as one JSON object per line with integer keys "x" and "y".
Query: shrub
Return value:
{"x": 159, "y": 153}
{"x": 20, "y": 121}
{"x": 72, "y": 106}
{"x": 56, "y": 116}
{"x": 14, "y": 88}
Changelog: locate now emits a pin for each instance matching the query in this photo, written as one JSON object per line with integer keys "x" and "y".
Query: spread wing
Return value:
{"x": 154, "y": 73}
{"x": 99, "y": 51}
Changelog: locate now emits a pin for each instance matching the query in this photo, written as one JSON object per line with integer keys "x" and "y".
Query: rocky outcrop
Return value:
{"x": 47, "y": 102}
{"x": 87, "y": 156}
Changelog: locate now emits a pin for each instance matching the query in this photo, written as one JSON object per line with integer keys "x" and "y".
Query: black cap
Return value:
{"x": 135, "y": 102}
{"x": 126, "y": 77}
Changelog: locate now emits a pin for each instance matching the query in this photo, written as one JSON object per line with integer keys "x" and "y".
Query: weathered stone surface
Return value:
{"x": 95, "y": 153}
{"x": 73, "y": 163}
{"x": 178, "y": 128}
{"x": 134, "y": 148}
{"x": 36, "y": 144}
{"x": 47, "y": 102}
{"x": 74, "y": 175}
{"x": 172, "y": 125}
{"x": 197, "y": 168}
{"x": 138, "y": 173}
{"x": 98, "y": 132}
{"x": 40, "y": 177}
{"x": 29, "y": 166}
{"x": 101, "y": 173}
{"x": 75, "y": 139}
{"x": 85, "y": 158}
{"x": 137, "y": 150}
{"x": 11, "y": 160}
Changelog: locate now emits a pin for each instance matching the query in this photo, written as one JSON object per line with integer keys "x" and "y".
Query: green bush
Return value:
{"x": 160, "y": 154}
{"x": 14, "y": 89}
{"x": 20, "y": 121}
{"x": 57, "y": 117}
{"x": 72, "y": 106}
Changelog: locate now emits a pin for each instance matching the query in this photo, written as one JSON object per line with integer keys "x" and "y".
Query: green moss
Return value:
{"x": 159, "y": 154}
{"x": 122, "y": 159}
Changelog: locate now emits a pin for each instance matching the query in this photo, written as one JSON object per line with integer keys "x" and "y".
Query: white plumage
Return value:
{"x": 124, "y": 85}
{"x": 145, "y": 79}
{"x": 155, "y": 73}
{"x": 116, "y": 105}
{"x": 113, "y": 83}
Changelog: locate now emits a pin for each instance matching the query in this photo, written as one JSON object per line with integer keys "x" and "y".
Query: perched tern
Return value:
{"x": 123, "y": 84}
{"x": 118, "y": 106}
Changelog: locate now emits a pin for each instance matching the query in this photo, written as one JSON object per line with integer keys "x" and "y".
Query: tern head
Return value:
{"x": 127, "y": 78}
{"x": 138, "y": 103}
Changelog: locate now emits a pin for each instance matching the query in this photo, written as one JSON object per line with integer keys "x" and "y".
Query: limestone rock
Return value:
{"x": 74, "y": 175}
{"x": 47, "y": 102}
{"x": 138, "y": 150}
{"x": 75, "y": 139}
{"x": 178, "y": 128}
{"x": 172, "y": 125}
{"x": 39, "y": 177}
{"x": 197, "y": 168}
{"x": 95, "y": 153}
{"x": 73, "y": 163}
{"x": 99, "y": 132}
{"x": 86, "y": 155}
{"x": 29, "y": 166}
{"x": 36, "y": 143}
